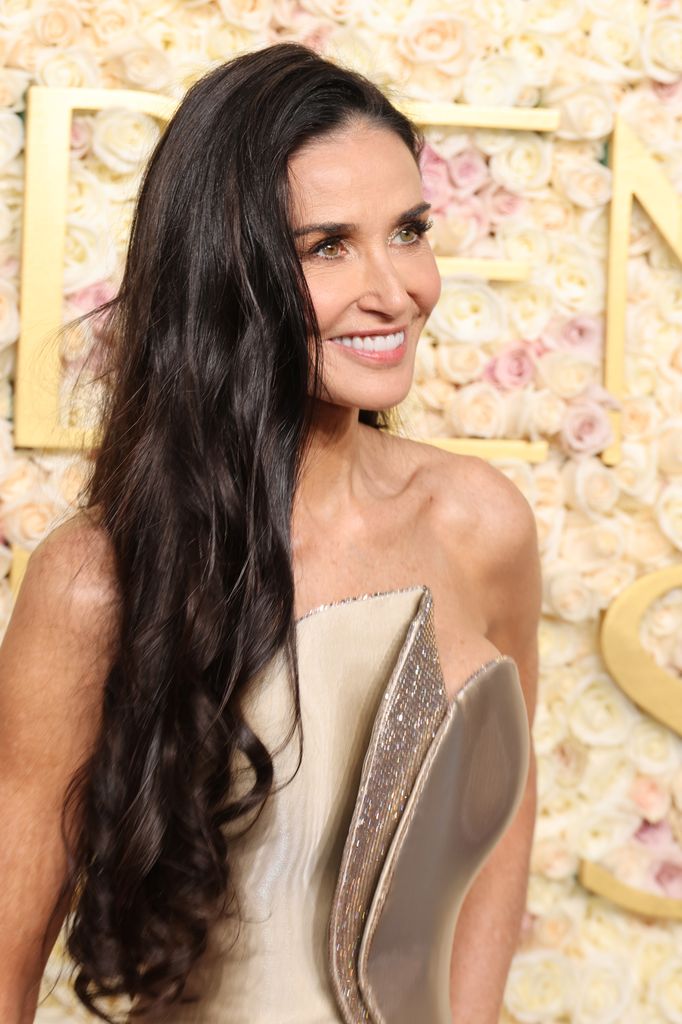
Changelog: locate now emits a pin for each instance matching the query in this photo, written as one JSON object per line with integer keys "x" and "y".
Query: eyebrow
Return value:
{"x": 335, "y": 228}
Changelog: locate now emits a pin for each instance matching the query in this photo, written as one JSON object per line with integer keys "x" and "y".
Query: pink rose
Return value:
{"x": 511, "y": 368}
{"x": 468, "y": 171}
{"x": 81, "y": 136}
{"x": 502, "y": 205}
{"x": 669, "y": 877}
{"x": 91, "y": 297}
{"x": 651, "y": 800}
{"x": 669, "y": 93}
{"x": 436, "y": 182}
{"x": 583, "y": 335}
{"x": 659, "y": 834}
{"x": 586, "y": 429}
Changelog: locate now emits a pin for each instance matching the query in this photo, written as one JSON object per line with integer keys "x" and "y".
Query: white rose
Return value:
{"x": 655, "y": 948}
{"x": 439, "y": 39}
{"x": 425, "y": 359}
{"x": 89, "y": 255}
{"x": 604, "y": 990}
{"x": 554, "y": 858}
{"x": 603, "y": 830}
{"x": 142, "y": 66}
{"x": 645, "y": 541}
{"x": 86, "y": 198}
{"x": 553, "y": 16}
{"x": 569, "y": 595}
{"x": 652, "y": 122}
{"x": 641, "y": 375}
{"x": 663, "y": 618}
{"x": 111, "y": 18}
{"x": 122, "y": 139}
{"x": 524, "y": 165}
{"x": 539, "y": 986}
{"x": 459, "y": 363}
{"x": 478, "y": 410}
{"x": 668, "y": 295}
{"x": 493, "y": 80}
{"x": 599, "y": 714}
{"x": 26, "y": 522}
{"x": 576, "y": 278}
{"x": 666, "y": 990}
{"x": 433, "y": 393}
{"x": 668, "y": 511}
{"x": 662, "y": 48}
{"x": 587, "y": 110}
{"x": 649, "y": 332}
{"x": 592, "y": 547}
{"x": 670, "y": 447}
{"x": 606, "y": 928}
{"x": 524, "y": 243}
{"x": 565, "y": 374}
{"x": 654, "y": 749}
{"x": 607, "y": 777}
{"x": 636, "y": 472}
{"x": 639, "y": 418}
{"x": 615, "y": 42}
{"x": 591, "y": 486}
{"x": 58, "y": 24}
{"x": 587, "y": 185}
{"x": 9, "y": 313}
{"x": 13, "y": 85}
{"x": 251, "y": 14}
{"x": 536, "y": 53}
{"x": 529, "y": 306}
{"x": 549, "y": 524}
{"x": 542, "y": 414}
{"x": 608, "y": 580}
{"x": 549, "y": 484}
{"x": 69, "y": 68}
{"x": 558, "y": 643}
{"x": 468, "y": 311}
{"x": 552, "y": 212}
{"x": 11, "y": 137}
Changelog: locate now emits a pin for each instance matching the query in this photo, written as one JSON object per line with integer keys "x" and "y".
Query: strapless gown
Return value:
{"x": 350, "y": 882}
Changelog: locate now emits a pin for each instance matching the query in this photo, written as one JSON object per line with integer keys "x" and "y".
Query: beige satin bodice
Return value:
{"x": 350, "y": 881}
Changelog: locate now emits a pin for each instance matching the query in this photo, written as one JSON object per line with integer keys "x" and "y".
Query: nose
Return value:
{"x": 382, "y": 289}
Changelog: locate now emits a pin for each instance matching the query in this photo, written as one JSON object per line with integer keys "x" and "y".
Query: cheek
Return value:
{"x": 329, "y": 299}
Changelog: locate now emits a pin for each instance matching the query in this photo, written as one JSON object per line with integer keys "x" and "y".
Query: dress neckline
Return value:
{"x": 363, "y": 597}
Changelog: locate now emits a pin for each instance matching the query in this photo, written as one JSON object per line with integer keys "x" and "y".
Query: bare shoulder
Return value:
{"x": 70, "y": 580}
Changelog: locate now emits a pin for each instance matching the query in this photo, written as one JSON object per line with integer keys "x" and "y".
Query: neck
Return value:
{"x": 333, "y": 469}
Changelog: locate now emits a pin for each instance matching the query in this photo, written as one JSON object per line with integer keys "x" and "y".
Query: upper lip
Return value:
{"x": 369, "y": 334}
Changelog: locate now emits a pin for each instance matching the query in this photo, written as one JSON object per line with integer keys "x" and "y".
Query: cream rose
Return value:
{"x": 553, "y": 16}
{"x": 652, "y": 121}
{"x": 433, "y": 394}
{"x": 524, "y": 165}
{"x": 666, "y": 990}
{"x": 251, "y": 14}
{"x": 615, "y": 42}
{"x": 550, "y": 490}
{"x": 609, "y": 580}
{"x": 524, "y": 243}
{"x": 11, "y": 137}
{"x": 592, "y": 547}
{"x": 646, "y": 543}
{"x": 536, "y": 53}
{"x": 641, "y": 375}
{"x": 604, "y": 990}
{"x": 576, "y": 278}
{"x": 636, "y": 472}
{"x": 9, "y": 313}
{"x": 566, "y": 375}
{"x": 493, "y": 80}
{"x": 459, "y": 363}
{"x": 438, "y": 39}
{"x": 591, "y": 487}
{"x": 549, "y": 524}
{"x": 142, "y": 66}
{"x": 653, "y": 749}
{"x": 468, "y": 311}
{"x": 670, "y": 448}
{"x": 554, "y": 859}
{"x": 26, "y": 523}
{"x": 586, "y": 185}
{"x": 662, "y": 48}
{"x": 587, "y": 111}
{"x": 88, "y": 256}
{"x": 542, "y": 414}
{"x": 112, "y": 18}
{"x": 568, "y": 595}
{"x": 72, "y": 68}
{"x": 599, "y": 714}
{"x": 668, "y": 512}
{"x": 13, "y": 85}
{"x": 649, "y": 797}
{"x": 478, "y": 410}
{"x": 58, "y": 24}
{"x": 122, "y": 139}
{"x": 529, "y": 306}
{"x": 539, "y": 986}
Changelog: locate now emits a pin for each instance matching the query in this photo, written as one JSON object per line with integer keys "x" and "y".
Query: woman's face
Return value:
{"x": 359, "y": 218}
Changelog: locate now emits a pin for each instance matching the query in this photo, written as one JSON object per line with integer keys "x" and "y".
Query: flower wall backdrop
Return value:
{"x": 515, "y": 360}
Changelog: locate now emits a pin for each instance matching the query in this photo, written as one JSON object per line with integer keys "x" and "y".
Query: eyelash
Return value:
{"x": 420, "y": 227}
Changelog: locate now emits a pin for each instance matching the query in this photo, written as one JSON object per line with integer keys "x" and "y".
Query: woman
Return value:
{"x": 274, "y": 661}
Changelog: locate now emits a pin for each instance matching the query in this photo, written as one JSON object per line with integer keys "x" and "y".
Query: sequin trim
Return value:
{"x": 412, "y": 709}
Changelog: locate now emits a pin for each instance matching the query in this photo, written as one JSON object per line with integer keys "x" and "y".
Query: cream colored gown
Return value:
{"x": 351, "y": 879}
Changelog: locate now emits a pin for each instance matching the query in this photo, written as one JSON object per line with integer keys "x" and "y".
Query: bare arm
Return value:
{"x": 490, "y": 918}
{"x": 53, "y": 662}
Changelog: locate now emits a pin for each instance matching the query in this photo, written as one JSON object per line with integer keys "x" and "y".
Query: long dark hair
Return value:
{"x": 213, "y": 346}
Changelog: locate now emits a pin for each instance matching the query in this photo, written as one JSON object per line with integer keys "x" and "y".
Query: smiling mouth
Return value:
{"x": 371, "y": 342}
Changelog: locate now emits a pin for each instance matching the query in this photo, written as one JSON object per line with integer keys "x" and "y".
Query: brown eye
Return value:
{"x": 329, "y": 249}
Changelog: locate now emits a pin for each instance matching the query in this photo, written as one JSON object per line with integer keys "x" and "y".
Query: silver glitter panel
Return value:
{"x": 413, "y": 706}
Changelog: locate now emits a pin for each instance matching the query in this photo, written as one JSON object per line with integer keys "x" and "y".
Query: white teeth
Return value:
{"x": 372, "y": 343}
